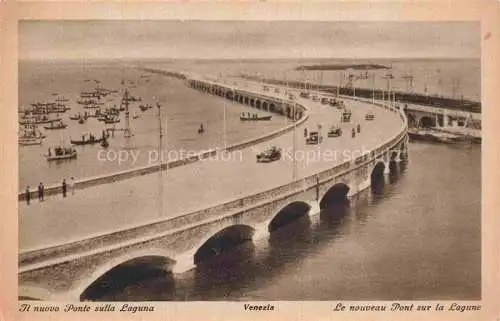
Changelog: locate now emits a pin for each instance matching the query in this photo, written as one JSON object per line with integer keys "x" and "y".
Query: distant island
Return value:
{"x": 341, "y": 67}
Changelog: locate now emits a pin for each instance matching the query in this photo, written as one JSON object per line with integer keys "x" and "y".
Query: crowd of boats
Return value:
{"x": 49, "y": 116}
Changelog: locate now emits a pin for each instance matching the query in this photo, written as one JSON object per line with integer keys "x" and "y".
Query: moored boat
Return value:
{"x": 56, "y": 125}
{"x": 61, "y": 153}
{"x": 87, "y": 139}
{"x": 30, "y": 141}
{"x": 438, "y": 137}
{"x": 75, "y": 117}
{"x": 113, "y": 120}
{"x": 38, "y": 120}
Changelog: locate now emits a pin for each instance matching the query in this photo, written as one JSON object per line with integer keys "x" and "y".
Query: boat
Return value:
{"x": 334, "y": 131}
{"x": 61, "y": 153}
{"x": 56, "y": 125}
{"x": 87, "y": 141}
{"x": 253, "y": 117}
{"x": 136, "y": 116}
{"x": 104, "y": 142}
{"x": 435, "y": 136}
{"x": 37, "y": 120}
{"x": 30, "y": 142}
{"x": 75, "y": 117}
{"x": 81, "y": 120}
{"x": 143, "y": 108}
{"x": 270, "y": 155}
{"x": 62, "y": 99}
{"x": 369, "y": 116}
{"x": 314, "y": 138}
{"x": 201, "y": 130}
{"x": 109, "y": 120}
{"x": 30, "y": 132}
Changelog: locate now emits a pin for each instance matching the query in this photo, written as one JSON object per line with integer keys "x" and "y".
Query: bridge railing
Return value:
{"x": 151, "y": 230}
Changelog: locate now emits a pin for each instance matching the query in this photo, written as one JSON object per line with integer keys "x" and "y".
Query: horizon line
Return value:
{"x": 247, "y": 58}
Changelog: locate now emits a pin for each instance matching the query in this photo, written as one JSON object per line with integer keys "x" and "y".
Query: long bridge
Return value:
{"x": 177, "y": 216}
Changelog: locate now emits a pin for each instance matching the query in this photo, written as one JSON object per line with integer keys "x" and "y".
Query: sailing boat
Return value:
{"x": 30, "y": 136}
{"x": 61, "y": 152}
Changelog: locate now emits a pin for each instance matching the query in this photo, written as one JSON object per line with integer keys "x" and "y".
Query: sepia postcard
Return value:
{"x": 249, "y": 160}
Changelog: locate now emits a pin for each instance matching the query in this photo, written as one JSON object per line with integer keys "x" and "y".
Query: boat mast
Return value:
{"x": 373, "y": 88}
{"x": 160, "y": 152}
{"x": 128, "y": 132}
{"x": 338, "y": 87}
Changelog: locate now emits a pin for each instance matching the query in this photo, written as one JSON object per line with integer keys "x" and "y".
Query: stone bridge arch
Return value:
{"x": 287, "y": 214}
{"x": 154, "y": 257}
{"x": 265, "y": 105}
{"x": 377, "y": 173}
{"x": 427, "y": 121}
{"x": 215, "y": 243}
{"x": 337, "y": 193}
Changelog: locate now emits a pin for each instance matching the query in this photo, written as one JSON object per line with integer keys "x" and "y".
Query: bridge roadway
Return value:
{"x": 107, "y": 208}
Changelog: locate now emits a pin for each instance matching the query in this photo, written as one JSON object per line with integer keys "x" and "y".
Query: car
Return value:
{"x": 346, "y": 116}
{"x": 314, "y": 138}
{"x": 369, "y": 116}
{"x": 335, "y": 131}
{"x": 270, "y": 155}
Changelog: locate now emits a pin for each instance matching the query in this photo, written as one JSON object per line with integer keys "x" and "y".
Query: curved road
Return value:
{"x": 110, "y": 207}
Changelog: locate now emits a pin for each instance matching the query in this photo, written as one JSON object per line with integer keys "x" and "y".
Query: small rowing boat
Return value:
{"x": 30, "y": 142}
{"x": 90, "y": 140}
{"x": 61, "y": 153}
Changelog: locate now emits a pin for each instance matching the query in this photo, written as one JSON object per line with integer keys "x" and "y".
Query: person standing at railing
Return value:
{"x": 41, "y": 190}
{"x": 27, "y": 195}
{"x": 64, "y": 187}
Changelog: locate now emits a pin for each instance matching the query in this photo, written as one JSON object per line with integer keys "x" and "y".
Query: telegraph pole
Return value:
{"x": 127, "y": 132}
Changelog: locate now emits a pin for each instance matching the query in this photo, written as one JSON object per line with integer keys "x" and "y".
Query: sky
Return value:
{"x": 118, "y": 39}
